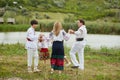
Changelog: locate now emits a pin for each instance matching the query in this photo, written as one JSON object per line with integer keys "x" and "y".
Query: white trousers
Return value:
{"x": 31, "y": 53}
{"x": 78, "y": 47}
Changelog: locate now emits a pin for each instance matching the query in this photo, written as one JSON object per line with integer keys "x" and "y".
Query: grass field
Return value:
{"x": 102, "y": 64}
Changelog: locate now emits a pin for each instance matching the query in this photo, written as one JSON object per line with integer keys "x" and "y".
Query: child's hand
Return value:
{"x": 69, "y": 30}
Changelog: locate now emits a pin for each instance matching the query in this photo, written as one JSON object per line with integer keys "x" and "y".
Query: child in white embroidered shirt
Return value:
{"x": 43, "y": 44}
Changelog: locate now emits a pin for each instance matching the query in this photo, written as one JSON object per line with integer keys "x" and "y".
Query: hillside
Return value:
{"x": 87, "y": 9}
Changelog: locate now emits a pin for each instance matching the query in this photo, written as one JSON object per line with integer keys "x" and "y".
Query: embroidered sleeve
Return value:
{"x": 51, "y": 35}
{"x": 77, "y": 33}
{"x": 66, "y": 35}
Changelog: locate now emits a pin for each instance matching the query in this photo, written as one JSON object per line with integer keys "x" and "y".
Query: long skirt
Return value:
{"x": 57, "y": 56}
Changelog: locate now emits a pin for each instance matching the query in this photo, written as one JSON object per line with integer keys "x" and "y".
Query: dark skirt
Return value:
{"x": 57, "y": 56}
{"x": 44, "y": 54}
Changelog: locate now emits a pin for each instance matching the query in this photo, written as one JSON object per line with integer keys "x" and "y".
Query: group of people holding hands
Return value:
{"x": 57, "y": 36}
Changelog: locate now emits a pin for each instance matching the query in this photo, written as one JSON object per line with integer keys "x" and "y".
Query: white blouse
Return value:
{"x": 81, "y": 32}
{"x": 61, "y": 36}
{"x": 45, "y": 43}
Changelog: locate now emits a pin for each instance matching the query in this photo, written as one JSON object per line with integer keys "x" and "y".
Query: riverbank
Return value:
{"x": 93, "y": 27}
{"x": 93, "y": 40}
{"x": 100, "y": 64}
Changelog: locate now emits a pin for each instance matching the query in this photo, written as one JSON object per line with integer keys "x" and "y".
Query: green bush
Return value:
{"x": 110, "y": 13}
{"x": 10, "y": 27}
{"x": 103, "y": 28}
{"x": 92, "y": 27}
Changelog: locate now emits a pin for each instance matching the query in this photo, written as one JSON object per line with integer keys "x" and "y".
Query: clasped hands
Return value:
{"x": 70, "y": 31}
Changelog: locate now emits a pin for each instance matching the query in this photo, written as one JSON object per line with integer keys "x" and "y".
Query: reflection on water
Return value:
{"x": 94, "y": 40}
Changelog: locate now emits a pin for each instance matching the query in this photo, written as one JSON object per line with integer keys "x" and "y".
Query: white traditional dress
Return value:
{"x": 78, "y": 47}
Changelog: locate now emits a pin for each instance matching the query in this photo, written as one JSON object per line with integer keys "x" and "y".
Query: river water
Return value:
{"x": 93, "y": 40}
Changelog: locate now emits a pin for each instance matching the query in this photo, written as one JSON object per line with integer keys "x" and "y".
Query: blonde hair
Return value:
{"x": 40, "y": 39}
{"x": 56, "y": 28}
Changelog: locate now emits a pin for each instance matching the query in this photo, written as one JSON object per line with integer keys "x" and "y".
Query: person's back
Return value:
{"x": 57, "y": 56}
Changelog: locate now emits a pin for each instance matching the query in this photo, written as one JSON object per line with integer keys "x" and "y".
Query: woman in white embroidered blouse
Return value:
{"x": 58, "y": 35}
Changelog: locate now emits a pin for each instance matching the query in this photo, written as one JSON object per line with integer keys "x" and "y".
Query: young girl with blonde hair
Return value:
{"x": 43, "y": 44}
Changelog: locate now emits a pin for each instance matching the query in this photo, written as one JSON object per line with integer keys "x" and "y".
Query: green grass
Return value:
{"x": 40, "y": 16}
{"x": 99, "y": 16}
{"x": 15, "y": 27}
{"x": 89, "y": 10}
{"x": 53, "y": 16}
{"x": 102, "y": 64}
{"x": 93, "y": 27}
{"x": 10, "y": 27}
{"x": 101, "y": 27}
